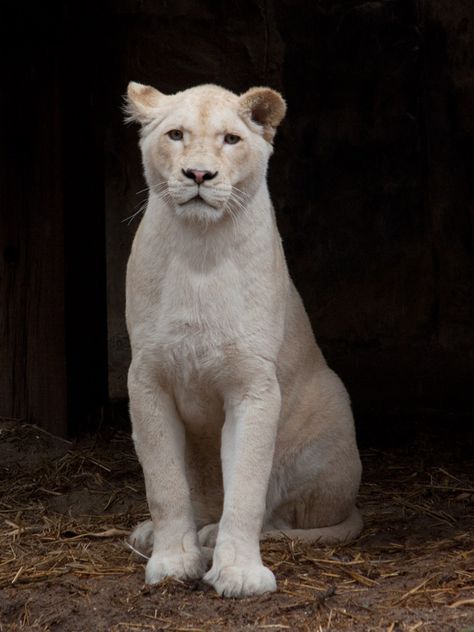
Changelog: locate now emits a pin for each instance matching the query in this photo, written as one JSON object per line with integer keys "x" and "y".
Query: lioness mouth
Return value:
{"x": 198, "y": 198}
{"x": 193, "y": 199}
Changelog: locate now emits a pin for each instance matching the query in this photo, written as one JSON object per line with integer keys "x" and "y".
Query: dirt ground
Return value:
{"x": 65, "y": 509}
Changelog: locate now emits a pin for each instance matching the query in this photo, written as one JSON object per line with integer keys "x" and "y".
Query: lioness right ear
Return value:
{"x": 141, "y": 103}
{"x": 264, "y": 106}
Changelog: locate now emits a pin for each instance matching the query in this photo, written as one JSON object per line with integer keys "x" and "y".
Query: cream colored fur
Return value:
{"x": 241, "y": 428}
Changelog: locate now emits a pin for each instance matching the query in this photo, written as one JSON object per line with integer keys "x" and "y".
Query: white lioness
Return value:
{"x": 241, "y": 428}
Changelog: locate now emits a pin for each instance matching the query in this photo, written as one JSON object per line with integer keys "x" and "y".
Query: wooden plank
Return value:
{"x": 53, "y": 363}
{"x": 84, "y": 201}
{"x": 46, "y": 377}
{"x": 32, "y": 327}
{"x": 12, "y": 280}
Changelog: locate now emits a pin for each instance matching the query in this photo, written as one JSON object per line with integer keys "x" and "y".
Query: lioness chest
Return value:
{"x": 200, "y": 323}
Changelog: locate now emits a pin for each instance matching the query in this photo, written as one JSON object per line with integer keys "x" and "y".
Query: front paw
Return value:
{"x": 190, "y": 565}
{"x": 241, "y": 581}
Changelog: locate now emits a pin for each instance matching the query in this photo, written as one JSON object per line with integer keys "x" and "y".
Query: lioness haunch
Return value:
{"x": 242, "y": 430}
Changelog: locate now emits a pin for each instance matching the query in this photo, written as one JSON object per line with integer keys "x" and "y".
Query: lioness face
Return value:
{"x": 205, "y": 150}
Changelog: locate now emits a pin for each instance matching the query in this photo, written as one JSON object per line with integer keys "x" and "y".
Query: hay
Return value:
{"x": 64, "y": 518}
{"x": 44, "y": 545}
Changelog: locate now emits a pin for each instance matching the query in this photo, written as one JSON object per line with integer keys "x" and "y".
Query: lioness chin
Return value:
{"x": 241, "y": 428}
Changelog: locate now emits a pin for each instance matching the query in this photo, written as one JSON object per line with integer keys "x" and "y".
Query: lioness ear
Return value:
{"x": 141, "y": 103}
{"x": 265, "y": 107}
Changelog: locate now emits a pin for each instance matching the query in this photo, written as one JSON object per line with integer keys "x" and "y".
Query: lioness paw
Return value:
{"x": 180, "y": 566}
{"x": 241, "y": 581}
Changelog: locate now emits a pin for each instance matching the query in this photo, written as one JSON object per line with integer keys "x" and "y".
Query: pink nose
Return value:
{"x": 199, "y": 176}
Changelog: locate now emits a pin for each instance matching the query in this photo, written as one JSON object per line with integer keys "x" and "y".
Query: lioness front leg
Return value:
{"x": 248, "y": 440}
{"x": 159, "y": 439}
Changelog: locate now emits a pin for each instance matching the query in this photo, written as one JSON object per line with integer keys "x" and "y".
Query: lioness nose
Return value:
{"x": 199, "y": 176}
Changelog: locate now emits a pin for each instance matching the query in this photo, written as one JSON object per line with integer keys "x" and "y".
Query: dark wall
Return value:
{"x": 371, "y": 180}
{"x": 385, "y": 127}
{"x": 53, "y": 352}
{"x": 371, "y": 177}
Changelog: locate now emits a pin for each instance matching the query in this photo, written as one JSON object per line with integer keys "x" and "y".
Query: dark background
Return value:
{"x": 371, "y": 180}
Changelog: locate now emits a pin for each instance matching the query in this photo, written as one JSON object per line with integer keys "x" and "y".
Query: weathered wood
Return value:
{"x": 52, "y": 261}
{"x": 32, "y": 328}
{"x": 46, "y": 376}
{"x": 84, "y": 80}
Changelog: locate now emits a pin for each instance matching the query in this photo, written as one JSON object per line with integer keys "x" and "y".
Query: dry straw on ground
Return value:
{"x": 65, "y": 509}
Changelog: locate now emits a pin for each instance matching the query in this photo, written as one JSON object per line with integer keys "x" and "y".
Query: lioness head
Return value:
{"x": 205, "y": 150}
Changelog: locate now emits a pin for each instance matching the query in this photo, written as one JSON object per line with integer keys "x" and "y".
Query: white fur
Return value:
{"x": 237, "y": 419}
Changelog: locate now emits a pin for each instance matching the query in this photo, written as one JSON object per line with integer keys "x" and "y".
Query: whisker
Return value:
{"x": 165, "y": 196}
{"x": 238, "y": 203}
{"x": 159, "y": 185}
{"x": 142, "y": 191}
{"x": 237, "y": 196}
{"x": 243, "y": 193}
{"x": 132, "y": 217}
{"x": 227, "y": 207}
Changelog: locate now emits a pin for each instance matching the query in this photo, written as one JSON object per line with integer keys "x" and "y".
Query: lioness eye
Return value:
{"x": 231, "y": 139}
{"x": 176, "y": 134}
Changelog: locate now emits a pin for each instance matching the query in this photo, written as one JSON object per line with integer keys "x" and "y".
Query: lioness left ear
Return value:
{"x": 141, "y": 103}
{"x": 265, "y": 107}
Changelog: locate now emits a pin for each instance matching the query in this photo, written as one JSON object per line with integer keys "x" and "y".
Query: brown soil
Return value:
{"x": 65, "y": 509}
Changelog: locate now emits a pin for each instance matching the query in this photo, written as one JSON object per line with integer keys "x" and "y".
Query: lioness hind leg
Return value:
{"x": 207, "y": 535}
{"x": 141, "y": 538}
{"x": 313, "y": 497}
{"x": 344, "y": 531}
